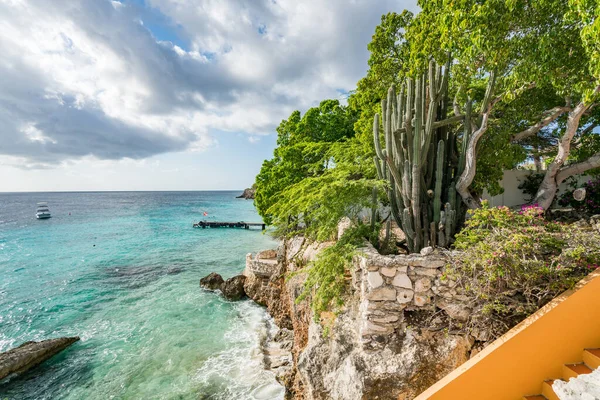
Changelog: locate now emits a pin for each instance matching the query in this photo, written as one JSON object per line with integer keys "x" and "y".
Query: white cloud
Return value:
{"x": 86, "y": 78}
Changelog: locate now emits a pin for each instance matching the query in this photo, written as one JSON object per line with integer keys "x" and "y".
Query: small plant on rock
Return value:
{"x": 325, "y": 283}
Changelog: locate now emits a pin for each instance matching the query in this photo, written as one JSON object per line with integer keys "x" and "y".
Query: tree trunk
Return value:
{"x": 466, "y": 178}
{"x": 549, "y": 186}
{"x": 468, "y": 174}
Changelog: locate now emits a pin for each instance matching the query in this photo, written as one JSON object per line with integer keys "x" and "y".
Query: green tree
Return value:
{"x": 389, "y": 52}
{"x": 303, "y": 151}
{"x": 528, "y": 47}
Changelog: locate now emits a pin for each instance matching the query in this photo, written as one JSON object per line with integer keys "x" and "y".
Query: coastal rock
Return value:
{"x": 337, "y": 367}
{"x": 248, "y": 194}
{"x": 267, "y": 254}
{"x": 212, "y": 281}
{"x": 378, "y": 346}
{"x": 277, "y": 352}
{"x": 30, "y": 354}
{"x": 233, "y": 288}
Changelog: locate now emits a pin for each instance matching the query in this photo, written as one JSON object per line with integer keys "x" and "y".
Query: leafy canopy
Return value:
{"x": 303, "y": 151}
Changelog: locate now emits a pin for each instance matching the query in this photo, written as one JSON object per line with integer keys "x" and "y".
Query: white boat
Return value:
{"x": 42, "y": 211}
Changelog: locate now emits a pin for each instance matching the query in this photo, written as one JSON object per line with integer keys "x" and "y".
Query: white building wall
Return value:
{"x": 513, "y": 196}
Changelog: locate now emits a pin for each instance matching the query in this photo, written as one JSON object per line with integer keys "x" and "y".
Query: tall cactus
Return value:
{"x": 421, "y": 180}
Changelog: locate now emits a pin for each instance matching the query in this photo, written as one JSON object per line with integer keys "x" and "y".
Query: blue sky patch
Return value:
{"x": 160, "y": 25}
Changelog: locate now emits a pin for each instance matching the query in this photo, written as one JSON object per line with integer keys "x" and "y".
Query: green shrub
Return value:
{"x": 512, "y": 263}
{"x": 530, "y": 185}
{"x": 591, "y": 202}
{"x": 325, "y": 283}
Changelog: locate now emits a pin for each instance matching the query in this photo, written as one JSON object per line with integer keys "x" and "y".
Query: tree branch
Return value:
{"x": 552, "y": 115}
{"x": 589, "y": 128}
{"x": 576, "y": 169}
{"x": 549, "y": 186}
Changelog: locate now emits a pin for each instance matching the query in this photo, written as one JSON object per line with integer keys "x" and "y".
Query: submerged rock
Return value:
{"x": 30, "y": 354}
{"x": 233, "y": 288}
{"x": 212, "y": 281}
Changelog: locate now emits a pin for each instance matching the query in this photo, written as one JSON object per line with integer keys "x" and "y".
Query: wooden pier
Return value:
{"x": 240, "y": 224}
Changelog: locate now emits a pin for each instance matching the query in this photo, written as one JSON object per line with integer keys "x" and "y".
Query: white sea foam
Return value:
{"x": 239, "y": 371}
{"x": 6, "y": 344}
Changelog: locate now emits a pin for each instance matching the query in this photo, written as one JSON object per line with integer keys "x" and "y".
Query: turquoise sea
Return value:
{"x": 121, "y": 270}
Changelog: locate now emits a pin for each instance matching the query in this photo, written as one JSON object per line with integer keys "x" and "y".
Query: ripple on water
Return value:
{"x": 147, "y": 331}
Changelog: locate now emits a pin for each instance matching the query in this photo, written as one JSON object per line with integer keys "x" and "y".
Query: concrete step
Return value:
{"x": 535, "y": 397}
{"x": 573, "y": 370}
{"x": 547, "y": 390}
{"x": 591, "y": 358}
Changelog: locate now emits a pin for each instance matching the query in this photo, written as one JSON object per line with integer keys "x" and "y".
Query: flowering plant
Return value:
{"x": 512, "y": 262}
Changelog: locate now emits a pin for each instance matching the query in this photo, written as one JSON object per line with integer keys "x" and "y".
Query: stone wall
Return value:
{"x": 389, "y": 285}
{"x": 264, "y": 264}
{"x": 371, "y": 348}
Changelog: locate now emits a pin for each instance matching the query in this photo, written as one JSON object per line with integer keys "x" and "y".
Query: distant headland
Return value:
{"x": 248, "y": 194}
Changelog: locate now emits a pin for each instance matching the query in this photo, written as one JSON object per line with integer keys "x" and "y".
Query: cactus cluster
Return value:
{"x": 421, "y": 159}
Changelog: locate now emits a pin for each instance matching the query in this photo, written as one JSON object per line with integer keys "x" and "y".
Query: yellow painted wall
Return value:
{"x": 535, "y": 350}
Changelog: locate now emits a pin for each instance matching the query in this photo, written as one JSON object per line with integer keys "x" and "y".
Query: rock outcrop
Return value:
{"x": 390, "y": 340}
{"x": 233, "y": 288}
{"x": 31, "y": 354}
{"x": 248, "y": 194}
{"x": 212, "y": 281}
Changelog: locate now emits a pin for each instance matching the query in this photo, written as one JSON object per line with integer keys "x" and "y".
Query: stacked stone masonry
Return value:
{"x": 389, "y": 285}
{"x": 263, "y": 265}
{"x": 373, "y": 349}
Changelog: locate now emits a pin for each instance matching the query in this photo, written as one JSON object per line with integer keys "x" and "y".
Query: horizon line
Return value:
{"x": 121, "y": 191}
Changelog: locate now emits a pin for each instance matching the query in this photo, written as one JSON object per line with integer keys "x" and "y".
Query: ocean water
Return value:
{"x": 121, "y": 270}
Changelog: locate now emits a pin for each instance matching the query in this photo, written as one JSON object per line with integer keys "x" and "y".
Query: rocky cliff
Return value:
{"x": 248, "y": 194}
{"x": 392, "y": 339}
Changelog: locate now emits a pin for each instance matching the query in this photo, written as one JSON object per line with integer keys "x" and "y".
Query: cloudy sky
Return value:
{"x": 166, "y": 94}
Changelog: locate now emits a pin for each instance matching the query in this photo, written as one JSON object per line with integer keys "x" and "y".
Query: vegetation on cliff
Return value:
{"x": 511, "y": 263}
{"x": 476, "y": 88}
